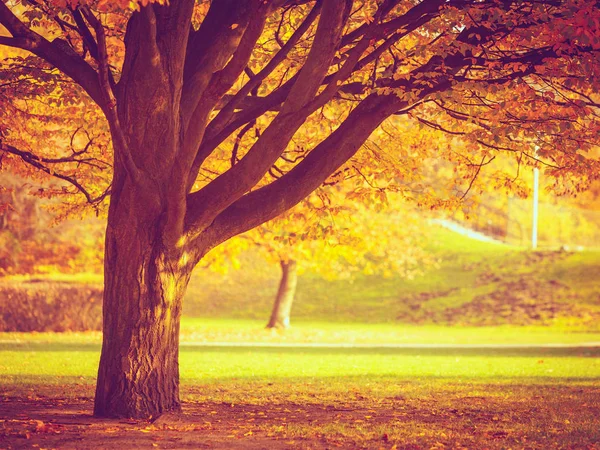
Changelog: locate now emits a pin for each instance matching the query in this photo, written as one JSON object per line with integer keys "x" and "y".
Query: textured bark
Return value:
{"x": 144, "y": 286}
{"x": 280, "y": 316}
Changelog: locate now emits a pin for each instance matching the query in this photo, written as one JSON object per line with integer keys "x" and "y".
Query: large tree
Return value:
{"x": 180, "y": 83}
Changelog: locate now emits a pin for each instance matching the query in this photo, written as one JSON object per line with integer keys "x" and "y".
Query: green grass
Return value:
{"x": 78, "y": 278}
{"x": 467, "y": 270}
{"x": 248, "y": 293}
{"x": 29, "y": 362}
{"x": 207, "y": 330}
{"x": 322, "y": 398}
{"x": 231, "y": 330}
{"x": 311, "y": 397}
{"x": 458, "y": 279}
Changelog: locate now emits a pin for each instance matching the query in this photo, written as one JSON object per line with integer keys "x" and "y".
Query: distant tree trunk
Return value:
{"x": 280, "y": 316}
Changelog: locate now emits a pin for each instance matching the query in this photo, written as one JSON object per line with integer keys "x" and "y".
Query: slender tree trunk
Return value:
{"x": 280, "y": 316}
{"x": 144, "y": 285}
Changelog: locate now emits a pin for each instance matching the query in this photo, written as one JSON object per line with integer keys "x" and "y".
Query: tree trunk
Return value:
{"x": 280, "y": 316}
{"x": 144, "y": 284}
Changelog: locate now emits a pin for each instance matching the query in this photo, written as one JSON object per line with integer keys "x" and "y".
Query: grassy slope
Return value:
{"x": 234, "y": 306}
{"x": 467, "y": 269}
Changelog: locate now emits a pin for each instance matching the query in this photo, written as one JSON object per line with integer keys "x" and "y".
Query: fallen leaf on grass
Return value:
{"x": 41, "y": 427}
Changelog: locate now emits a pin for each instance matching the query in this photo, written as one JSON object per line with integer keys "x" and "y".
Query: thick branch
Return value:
{"x": 227, "y": 111}
{"x": 58, "y": 53}
{"x": 216, "y": 196}
{"x": 219, "y": 84}
{"x": 211, "y": 47}
{"x": 110, "y": 103}
{"x": 227, "y": 122}
{"x": 268, "y": 202}
{"x": 85, "y": 33}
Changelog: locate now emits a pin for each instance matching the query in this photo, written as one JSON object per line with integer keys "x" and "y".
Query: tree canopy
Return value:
{"x": 505, "y": 75}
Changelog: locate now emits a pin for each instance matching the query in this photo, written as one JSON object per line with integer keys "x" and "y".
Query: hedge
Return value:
{"x": 50, "y": 306}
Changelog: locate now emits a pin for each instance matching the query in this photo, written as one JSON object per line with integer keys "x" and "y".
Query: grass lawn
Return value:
{"x": 314, "y": 398}
{"x": 239, "y": 330}
{"x": 211, "y": 330}
{"x": 475, "y": 284}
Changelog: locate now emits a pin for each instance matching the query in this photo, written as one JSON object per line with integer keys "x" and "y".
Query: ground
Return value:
{"x": 474, "y": 283}
{"x": 456, "y": 416}
{"x": 276, "y": 397}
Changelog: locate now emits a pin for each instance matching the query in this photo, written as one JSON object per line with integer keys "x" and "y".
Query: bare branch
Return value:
{"x": 238, "y": 139}
{"x": 39, "y": 163}
{"x": 476, "y": 174}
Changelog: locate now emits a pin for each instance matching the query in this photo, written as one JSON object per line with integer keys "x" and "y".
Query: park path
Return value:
{"x": 337, "y": 345}
{"x": 459, "y": 229}
{"x": 405, "y": 346}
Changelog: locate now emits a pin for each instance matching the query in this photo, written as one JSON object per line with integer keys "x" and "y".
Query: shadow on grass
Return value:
{"x": 510, "y": 416}
{"x": 530, "y": 351}
{"x": 84, "y": 388}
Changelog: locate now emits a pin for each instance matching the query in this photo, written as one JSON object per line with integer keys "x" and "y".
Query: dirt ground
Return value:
{"x": 541, "y": 418}
{"x": 49, "y": 424}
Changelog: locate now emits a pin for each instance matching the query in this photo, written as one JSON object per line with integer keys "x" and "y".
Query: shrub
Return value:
{"x": 50, "y": 306}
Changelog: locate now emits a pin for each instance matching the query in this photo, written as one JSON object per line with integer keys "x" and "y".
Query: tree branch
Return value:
{"x": 38, "y": 163}
{"x": 268, "y": 202}
{"x": 110, "y": 103}
{"x": 85, "y": 33}
{"x": 205, "y": 204}
{"x": 219, "y": 84}
{"x": 211, "y": 47}
{"x": 227, "y": 122}
{"x": 58, "y": 53}
{"x": 227, "y": 110}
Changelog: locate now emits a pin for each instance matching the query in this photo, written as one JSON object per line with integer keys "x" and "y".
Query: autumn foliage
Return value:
{"x": 198, "y": 121}
{"x": 33, "y": 239}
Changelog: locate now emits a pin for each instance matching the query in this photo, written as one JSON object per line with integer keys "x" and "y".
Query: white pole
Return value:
{"x": 534, "y": 227}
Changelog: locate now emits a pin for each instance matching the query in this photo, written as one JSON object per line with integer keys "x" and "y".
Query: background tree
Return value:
{"x": 30, "y": 241}
{"x": 336, "y": 237}
{"x": 178, "y": 83}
